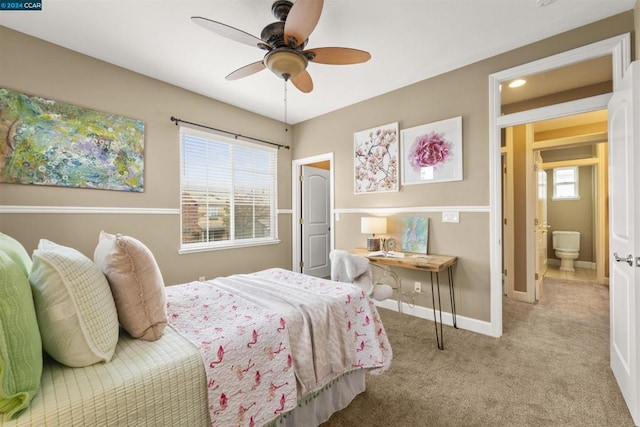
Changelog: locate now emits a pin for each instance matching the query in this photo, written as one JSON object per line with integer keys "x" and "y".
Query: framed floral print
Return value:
{"x": 375, "y": 161}
{"x": 432, "y": 152}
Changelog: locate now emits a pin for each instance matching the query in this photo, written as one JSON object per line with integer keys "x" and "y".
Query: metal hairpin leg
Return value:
{"x": 453, "y": 297}
{"x": 388, "y": 272}
{"x": 439, "y": 335}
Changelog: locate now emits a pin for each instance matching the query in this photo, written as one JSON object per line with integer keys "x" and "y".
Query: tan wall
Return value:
{"x": 36, "y": 67}
{"x": 444, "y": 238}
{"x": 463, "y": 92}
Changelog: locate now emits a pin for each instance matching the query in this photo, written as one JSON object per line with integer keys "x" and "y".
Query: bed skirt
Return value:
{"x": 316, "y": 408}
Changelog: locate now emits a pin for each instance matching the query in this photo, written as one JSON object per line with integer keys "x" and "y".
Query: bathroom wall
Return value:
{"x": 573, "y": 215}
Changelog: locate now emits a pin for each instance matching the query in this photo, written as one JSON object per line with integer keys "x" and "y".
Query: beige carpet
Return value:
{"x": 550, "y": 368}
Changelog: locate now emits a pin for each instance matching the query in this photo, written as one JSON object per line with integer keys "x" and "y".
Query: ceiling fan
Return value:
{"x": 285, "y": 41}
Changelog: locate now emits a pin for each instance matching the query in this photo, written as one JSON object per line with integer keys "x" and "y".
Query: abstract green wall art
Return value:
{"x": 415, "y": 234}
{"x": 47, "y": 142}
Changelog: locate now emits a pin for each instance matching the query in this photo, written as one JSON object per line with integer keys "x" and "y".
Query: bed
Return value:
{"x": 267, "y": 348}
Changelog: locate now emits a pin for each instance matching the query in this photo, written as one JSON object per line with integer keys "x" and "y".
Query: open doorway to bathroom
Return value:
{"x": 556, "y": 172}
{"x": 531, "y": 150}
{"x": 573, "y": 158}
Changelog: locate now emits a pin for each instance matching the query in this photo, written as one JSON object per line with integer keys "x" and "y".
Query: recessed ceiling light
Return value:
{"x": 517, "y": 83}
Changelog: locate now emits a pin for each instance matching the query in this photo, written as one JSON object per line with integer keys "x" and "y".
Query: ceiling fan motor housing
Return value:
{"x": 280, "y": 9}
{"x": 273, "y": 34}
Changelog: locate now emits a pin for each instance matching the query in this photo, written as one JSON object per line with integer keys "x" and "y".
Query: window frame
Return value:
{"x": 575, "y": 183}
{"x": 232, "y": 242}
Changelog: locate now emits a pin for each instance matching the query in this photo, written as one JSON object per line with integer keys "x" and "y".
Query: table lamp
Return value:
{"x": 373, "y": 225}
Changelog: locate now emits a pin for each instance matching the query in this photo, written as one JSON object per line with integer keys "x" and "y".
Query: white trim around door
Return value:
{"x": 619, "y": 47}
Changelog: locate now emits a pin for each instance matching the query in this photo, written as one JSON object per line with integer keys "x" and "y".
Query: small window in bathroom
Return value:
{"x": 565, "y": 183}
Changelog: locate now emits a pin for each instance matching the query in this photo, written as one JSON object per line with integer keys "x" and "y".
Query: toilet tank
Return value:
{"x": 566, "y": 240}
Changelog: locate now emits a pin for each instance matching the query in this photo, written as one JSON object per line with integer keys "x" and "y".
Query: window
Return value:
{"x": 565, "y": 183}
{"x": 227, "y": 192}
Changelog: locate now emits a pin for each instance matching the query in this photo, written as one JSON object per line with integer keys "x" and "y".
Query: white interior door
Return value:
{"x": 542, "y": 227}
{"x": 624, "y": 223}
{"x": 316, "y": 222}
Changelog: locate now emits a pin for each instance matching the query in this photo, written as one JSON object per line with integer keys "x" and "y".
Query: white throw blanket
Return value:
{"x": 350, "y": 268}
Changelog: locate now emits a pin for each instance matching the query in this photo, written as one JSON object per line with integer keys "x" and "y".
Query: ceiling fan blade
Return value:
{"x": 230, "y": 32}
{"x": 302, "y": 19}
{"x": 247, "y": 70}
{"x": 303, "y": 82}
{"x": 337, "y": 55}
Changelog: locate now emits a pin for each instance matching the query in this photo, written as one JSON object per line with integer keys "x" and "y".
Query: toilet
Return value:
{"x": 566, "y": 245}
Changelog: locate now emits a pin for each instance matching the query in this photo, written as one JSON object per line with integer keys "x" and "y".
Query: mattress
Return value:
{"x": 160, "y": 383}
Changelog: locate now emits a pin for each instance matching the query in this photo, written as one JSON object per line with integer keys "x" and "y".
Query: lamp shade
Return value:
{"x": 373, "y": 225}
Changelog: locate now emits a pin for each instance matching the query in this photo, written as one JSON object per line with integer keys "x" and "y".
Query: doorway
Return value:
{"x": 619, "y": 50}
{"x": 533, "y": 211}
{"x": 316, "y": 220}
{"x": 575, "y": 161}
{"x": 621, "y": 104}
{"x": 312, "y": 236}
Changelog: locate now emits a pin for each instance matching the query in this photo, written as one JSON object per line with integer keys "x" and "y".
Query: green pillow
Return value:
{"x": 16, "y": 252}
{"x": 20, "y": 344}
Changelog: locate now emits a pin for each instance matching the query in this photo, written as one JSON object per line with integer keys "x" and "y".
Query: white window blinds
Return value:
{"x": 227, "y": 191}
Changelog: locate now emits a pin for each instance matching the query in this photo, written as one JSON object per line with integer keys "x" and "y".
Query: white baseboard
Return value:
{"x": 473, "y": 325}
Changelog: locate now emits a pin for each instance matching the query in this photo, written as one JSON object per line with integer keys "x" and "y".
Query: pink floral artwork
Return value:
{"x": 376, "y": 166}
{"x": 429, "y": 150}
{"x": 432, "y": 152}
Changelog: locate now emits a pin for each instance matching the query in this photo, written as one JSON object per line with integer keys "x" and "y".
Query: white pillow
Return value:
{"x": 76, "y": 314}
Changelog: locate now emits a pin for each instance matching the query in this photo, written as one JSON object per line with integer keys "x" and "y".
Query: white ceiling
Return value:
{"x": 409, "y": 40}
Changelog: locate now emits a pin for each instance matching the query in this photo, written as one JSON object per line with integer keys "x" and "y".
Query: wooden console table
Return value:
{"x": 433, "y": 264}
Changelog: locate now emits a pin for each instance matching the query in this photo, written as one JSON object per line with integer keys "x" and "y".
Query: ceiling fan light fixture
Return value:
{"x": 285, "y": 63}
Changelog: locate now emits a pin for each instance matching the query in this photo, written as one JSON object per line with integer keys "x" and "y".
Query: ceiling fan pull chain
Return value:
{"x": 285, "y": 112}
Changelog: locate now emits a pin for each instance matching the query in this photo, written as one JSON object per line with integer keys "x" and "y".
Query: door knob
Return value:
{"x": 628, "y": 259}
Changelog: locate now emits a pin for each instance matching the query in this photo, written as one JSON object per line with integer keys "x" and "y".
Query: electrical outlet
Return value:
{"x": 417, "y": 287}
{"x": 201, "y": 279}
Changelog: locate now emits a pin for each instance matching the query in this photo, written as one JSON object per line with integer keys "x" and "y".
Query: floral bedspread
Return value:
{"x": 256, "y": 331}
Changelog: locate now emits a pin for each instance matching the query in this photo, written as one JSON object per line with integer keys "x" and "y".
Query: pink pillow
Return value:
{"x": 136, "y": 284}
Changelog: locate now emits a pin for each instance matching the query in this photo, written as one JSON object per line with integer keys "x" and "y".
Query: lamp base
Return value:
{"x": 373, "y": 244}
